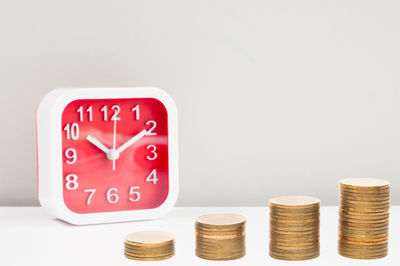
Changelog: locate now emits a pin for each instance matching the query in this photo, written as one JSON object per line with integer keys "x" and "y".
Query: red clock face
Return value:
{"x": 115, "y": 155}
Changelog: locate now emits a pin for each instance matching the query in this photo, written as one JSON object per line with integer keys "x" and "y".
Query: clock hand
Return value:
{"x": 131, "y": 141}
{"x": 98, "y": 144}
{"x": 114, "y": 143}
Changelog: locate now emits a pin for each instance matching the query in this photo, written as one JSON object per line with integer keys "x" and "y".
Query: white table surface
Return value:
{"x": 29, "y": 237}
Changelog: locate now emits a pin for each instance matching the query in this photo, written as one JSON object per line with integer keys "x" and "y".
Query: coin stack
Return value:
{"x": 149, "y": 246}
{"x": 220, "y": 236}
{"x": 294, "y": 228}
{"x": 364, "y": 218}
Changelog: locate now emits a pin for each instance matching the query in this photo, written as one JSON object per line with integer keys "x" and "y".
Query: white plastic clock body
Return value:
{"x": 107, "y": 154}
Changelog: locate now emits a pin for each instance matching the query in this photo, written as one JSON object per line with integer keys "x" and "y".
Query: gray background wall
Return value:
{"x": 274, "y": 97}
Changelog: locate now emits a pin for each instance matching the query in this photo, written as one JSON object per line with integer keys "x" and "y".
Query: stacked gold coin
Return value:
{"x": 220, "y": 236}
{"x": 364, "y": 218}
{"x": 294, "y": 228}
{"x": 149, "y": 245}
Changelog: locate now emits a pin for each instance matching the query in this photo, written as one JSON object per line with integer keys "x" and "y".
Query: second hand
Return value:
{"x": 114, "y": 141}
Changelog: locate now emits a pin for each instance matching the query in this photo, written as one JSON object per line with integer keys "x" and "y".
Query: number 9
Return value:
{"x": 71, "y": 155}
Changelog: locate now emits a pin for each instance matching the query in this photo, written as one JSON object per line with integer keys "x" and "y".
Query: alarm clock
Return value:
{"x": 107, "y": 154}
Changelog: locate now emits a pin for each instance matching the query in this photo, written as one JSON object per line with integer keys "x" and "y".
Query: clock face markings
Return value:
{"x": 153, "y": 152}
{"x": 136, "y": 111}
{"x": 152, "y": 177}
{"x": 115, "y": 155}
{"x": 70, "y": 155}
{"x": 89, "y": 111}
{"x": 153, "y": 125}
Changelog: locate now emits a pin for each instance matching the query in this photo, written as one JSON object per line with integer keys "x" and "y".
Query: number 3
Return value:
{"x": 153, "y": 152}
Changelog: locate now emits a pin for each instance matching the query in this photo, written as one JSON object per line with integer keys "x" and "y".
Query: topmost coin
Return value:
{"x": 149, "y": 237}
{"x": 221, "y": 219}
{"x": 364, "y": 182}
{"x": 294, "y": 200}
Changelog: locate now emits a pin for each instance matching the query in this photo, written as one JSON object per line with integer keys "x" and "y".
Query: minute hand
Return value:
{"x": 131, "y": 141}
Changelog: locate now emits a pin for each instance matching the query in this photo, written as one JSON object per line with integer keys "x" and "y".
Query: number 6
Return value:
{"x": 112, "y": 197}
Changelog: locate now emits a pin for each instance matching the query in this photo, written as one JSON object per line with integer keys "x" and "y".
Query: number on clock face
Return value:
{"x": 115, "y": 155}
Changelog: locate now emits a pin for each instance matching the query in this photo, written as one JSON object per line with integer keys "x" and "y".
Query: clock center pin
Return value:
{"x": 113, "y": 155}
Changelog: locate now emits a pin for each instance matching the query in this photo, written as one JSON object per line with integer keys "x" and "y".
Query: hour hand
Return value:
{"x": 98, "y": 144}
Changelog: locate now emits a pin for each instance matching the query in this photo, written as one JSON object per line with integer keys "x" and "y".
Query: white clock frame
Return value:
{"x": 49, "y": 153}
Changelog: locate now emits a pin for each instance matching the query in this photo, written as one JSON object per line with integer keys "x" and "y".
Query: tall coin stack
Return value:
{"x": 364, "y": 218}
{"x": 149, "y": 246}
{"x": 220, "y": 236}
{"x": 294, "y": 228}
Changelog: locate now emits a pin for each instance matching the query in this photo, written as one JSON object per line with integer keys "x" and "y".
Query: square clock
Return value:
{"x": 107, "y": 154}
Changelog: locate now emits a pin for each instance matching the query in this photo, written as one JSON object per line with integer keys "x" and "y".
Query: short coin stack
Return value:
{"x": 364, "y": 218}
{"x": 149, "y": 245}
{"x": 294, "y": 228}
{"x": 220, "y": 236}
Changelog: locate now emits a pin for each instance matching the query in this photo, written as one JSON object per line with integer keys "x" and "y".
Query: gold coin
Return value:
{"x": 348, "y": 247}
{"x": 364, "y": 210}
{"x": 220, "y": 236}
{"x": 293, "y": 202}
{"x": 373, "y": 233}
{"x": 294, "y": 227}
{"x": 364, "y": 183}
{"x": 140, "y": 251}
{"x": 296, "y": 257}
{"x": 149, "y": 237}
{"x": 363, "y": 254}
{"x": 363, "y": 224}
{"x": 363, "y": 218}
{"x": 149, "y": 245}
{"x": 149, "y": 259}
{"x": 294, "y": 254}
{"x": 221, "y": 219}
